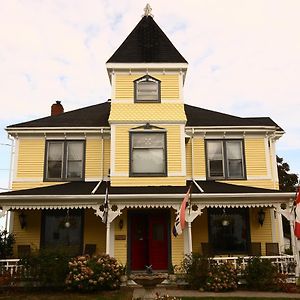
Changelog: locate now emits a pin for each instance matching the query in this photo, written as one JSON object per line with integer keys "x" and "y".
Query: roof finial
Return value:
{"x": 147, "y": 11}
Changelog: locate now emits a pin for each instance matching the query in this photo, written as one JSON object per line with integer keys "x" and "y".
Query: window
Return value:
{"x": 56, "y": 234}
{"x": 225, "y": 159}
{"x": 64, "y": 160}
{"x": 147, "y": 89}
{"x": 148, "y": 154}
{"x": 232, "y": 236}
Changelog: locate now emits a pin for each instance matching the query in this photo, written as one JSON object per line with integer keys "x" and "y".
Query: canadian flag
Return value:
{"x": 297, "y": 212}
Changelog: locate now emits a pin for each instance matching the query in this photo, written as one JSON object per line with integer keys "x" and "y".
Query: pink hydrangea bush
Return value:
{"x": 100, "y": 272}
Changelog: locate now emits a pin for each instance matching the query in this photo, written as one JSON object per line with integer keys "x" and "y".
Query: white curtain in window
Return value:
{"x": 215, "y": 150}
{"x": 148, "y": 161}
{"x": 54, "y": 162}
{"x": 74, "y": 159}
{"x": 234, "y": 159}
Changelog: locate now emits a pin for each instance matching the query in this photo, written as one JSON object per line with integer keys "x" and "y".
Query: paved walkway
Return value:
{"x": 139, "y": 292}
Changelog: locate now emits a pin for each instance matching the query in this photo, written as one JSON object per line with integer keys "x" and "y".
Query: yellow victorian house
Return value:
{"x": 144, "y": 147}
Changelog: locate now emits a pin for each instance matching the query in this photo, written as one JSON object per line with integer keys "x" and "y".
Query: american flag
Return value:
{"x": 105, "y": 210}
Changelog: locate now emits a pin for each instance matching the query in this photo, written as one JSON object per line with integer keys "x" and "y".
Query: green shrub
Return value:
{"x": 206, "y": 274}
{"x": 47, "y": 267}
{"x": 100, "y": 272}
{"x": 196, "y": 268}
{"x": 261, "y": 274}
{"x": 7, "y": 241}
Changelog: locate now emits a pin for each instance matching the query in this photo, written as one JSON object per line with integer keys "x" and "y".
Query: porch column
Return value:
{"x": 294, "y": 247}
{"x": 190, "y": 237}
{"x": 108, "y": 237}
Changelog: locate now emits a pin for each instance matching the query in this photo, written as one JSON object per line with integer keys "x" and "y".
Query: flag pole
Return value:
{"x": 293, "y": 233}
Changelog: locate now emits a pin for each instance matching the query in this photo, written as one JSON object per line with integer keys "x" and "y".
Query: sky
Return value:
{"x": 244, "y": 58}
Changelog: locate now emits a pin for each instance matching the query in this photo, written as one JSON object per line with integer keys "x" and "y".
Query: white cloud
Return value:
{"x": 243, "y": 55}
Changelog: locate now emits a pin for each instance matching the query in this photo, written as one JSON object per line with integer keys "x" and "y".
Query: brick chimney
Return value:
{"x": 56, "y": 109}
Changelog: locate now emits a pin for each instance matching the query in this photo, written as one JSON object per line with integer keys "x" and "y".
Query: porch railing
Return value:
{"x": 285, "y": 263}
{"x": 10, "y": 266}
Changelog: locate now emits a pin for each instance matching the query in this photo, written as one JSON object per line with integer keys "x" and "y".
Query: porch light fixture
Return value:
{"x": 67, "y": 221}
{"x": 261, "y": 216}
{"x": 121, "y": 224}
{"x": 22, "y": 220}
{"x": 225, "y": 219}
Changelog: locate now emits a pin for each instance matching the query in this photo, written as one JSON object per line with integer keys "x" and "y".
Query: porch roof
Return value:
{"x": 92, "y": 194}
{"x": 86, "y": 188}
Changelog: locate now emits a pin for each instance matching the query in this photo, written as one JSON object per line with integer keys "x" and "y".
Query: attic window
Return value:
{"x": 147, "y": 89}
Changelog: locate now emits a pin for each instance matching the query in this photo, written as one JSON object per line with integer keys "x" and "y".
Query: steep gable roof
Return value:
{"x": 97, "y": 116}
{"x": 147, "y": 43}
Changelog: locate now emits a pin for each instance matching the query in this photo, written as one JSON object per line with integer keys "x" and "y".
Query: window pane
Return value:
{"x": 57, "y": 235}
{"x": 147, "y": 90}
{"x": 216, "y": 168}
{"x": 234, "y": 159}
{"x": 215, "y": 158}
{"x": 74, "y": 159}
{"x": 148, "y": 161}
{"x": 232, "y": 238}
{"x": 54, "y": 163}
{"x": 148, "y": 140}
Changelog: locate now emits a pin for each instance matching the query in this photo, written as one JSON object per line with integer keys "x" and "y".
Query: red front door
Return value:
{"x": 149, "y": 240}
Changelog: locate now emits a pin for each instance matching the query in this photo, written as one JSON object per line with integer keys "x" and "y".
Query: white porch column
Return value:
{"x": 190, "y": 241}
{"x": 295, "y": 248}
{"x": 108, "y": 238}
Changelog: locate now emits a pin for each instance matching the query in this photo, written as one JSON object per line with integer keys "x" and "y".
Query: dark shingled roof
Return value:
{"x": 86, "y": 188}
{"x": 91, "y": 116}
{"x": 197, "y": 116}
{"x": 147, "y": 43}
{"x": 97, "y": 116}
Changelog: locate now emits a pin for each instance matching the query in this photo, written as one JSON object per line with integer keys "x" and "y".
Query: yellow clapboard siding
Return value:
{"x": 147, "y": 112}
{"x": 94, "y": 231}
{"x": 93, "y": 158}
{"x": 261, "y": 234}
{"x": 106, "y": 157}
{"x": 177, "y": 245}
{"x": 30, "y": 235}
{"x": 255, "y": 157}
{"x": 19, "y": 185}
{"x": 199, "y": 167}
{"x": 200, "y": 232}
{"x": 124, "y": 85}
{"x": 31, "y": 154}
{"x": 121, "y": 245}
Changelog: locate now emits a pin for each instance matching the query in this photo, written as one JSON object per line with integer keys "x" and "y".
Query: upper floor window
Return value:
{"x": 147, "y": 89}
{"x": 225, "y": 159}
{"x": 148, "y": 154}
{"x": 64, "y": 160}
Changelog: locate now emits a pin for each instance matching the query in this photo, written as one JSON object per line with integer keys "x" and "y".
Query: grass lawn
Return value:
{"x": 115, "y": 295}
{"x": 234, "y": 298}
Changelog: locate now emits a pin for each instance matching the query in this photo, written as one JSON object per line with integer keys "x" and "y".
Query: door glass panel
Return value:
{"x": 158, "y": 232}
